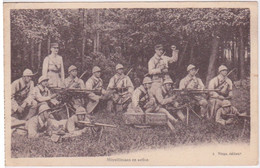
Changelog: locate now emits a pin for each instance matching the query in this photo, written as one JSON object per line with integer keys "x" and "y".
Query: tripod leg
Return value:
{"x": 187, "y": 109}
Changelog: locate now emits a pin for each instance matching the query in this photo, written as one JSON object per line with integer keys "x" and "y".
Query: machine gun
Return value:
{"x": 194, "y": 91}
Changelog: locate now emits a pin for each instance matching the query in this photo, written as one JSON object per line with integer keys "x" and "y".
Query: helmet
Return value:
{"x": 72, "y": 67}
{"x": 27, "y": 72}
{"x": 119, "y": 66}
{"x": 226, "y": 103}
{"x": 147, "y": 80}
{"x": 190, "y": 67}
{"x": 42, "y": 78}
{"x": 43, "y": 108}
{"x": 168, "y": 80}
{"x": 54, "y": 45}
{"x": 96, "y": 69}
{"x": 81, "y": 110}
{"x": 222, "y": 68}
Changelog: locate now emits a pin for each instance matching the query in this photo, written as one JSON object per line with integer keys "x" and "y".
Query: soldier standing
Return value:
{"x": 23, "y": 104}
{"x": 192, "y": 82}
{"x": 224, "y": 85}
{"x": 163, "y": 99}
{"x": 158, "y": 65}
{"x": 53, "y": 67}
{"x": 95, "y": 85}
{"x": 121, "y": 87}
{"x": 73, "y": 82}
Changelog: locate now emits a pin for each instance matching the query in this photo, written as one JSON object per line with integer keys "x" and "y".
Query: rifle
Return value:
{"x": 92, "y": 124}
{"x": 195, "y": 91}
{"x": 220, "y": 86}
{"x": 239, "y": 116}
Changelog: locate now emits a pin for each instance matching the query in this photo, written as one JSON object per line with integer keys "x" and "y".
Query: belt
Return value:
{"x": 56, "y": 71}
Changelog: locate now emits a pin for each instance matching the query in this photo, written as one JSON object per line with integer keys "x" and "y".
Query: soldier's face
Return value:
{"x": 192, "y": 71}
{"x": 74, "y": 73}
{"x": 27, "y": 79}
{"x": 55, "y": 50}
{"x": 45, "y": 83}
{"x": 224, "y": 72}
{"x": 81, "y": 117}
{"x": 97, "y": 74}
{"x": 168, "y": 86}
{"x": 148, "y": 85}
{"x": 159, "y": 52}
{"x": 120, "y": 71}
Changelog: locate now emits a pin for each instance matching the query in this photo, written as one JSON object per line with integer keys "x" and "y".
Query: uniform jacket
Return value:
{"x": 215, "y": 83}
{"x": 220, "y": 116}
{"x": 191, "y": 83}
{"x": 75, "y": 83}
{"x": 121, "y": 81}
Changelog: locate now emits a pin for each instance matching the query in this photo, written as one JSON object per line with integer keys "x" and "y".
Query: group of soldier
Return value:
{"x": 33, "y": 104}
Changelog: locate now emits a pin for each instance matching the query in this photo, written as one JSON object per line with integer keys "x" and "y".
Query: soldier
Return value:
{"x": 224, "y": 85}
{"x": 23, "y": 105}
{"x": 121, "y": 87}
{"x": 192, "y": 82}
{"x": 53, "y": 67}
{"x": 158, "y": 66}
{"x": 42, "y": 94}
{"x": 72, "y": 123}
{"x": 94, "y": 84}
{"x": 225, "y": 114}
{"x": 73, "y": 82}
{"x": 163, "y": 99}
{"x": 142, "y": 100}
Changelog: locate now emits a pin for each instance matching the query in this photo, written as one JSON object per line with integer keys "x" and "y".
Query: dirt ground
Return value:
{"x": 126, "y": 139}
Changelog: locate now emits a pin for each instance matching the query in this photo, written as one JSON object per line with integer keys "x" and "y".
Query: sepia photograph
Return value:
{"x": 131, "y": 83}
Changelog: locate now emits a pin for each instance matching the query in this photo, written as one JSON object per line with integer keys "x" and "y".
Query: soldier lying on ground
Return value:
{"x": 193, "y": 82}
{"x": 73, "y": 82}
{"x": 224, "y": 85}
{"x": 121, "y": 88}
{"x": 226, "y": 114}
{"x": 22, "y": 104}
{"x": 142, "y": 100}
{"x": 163, "y": 98}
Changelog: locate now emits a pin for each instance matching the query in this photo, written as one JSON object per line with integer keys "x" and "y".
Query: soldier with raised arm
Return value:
{"x": 22, "y": 102}
{"x": 222, "y": 83}
{"x": 158, "y": 65}
{"x": 53, "y": 68}
{"x": 121, "y": 87}
{"x": 191, "y": 82}
{"x": 95, "y": 85}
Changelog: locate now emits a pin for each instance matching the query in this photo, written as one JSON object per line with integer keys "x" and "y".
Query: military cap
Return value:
{"x": 27, "y": 72}
{"x": 81, "y": 110}
{"x": 119, "y": 66}
{"x": 226, "y": 103}
{"x": 158, "y": 46}
{"x": 43, "y": 108}
{"x": 72, "y": 67}
{"x": 222, "y": 68}
{"x": 168, "y": 80}
{"x": 54, "y": 45}
{"x": 190, "y": 67}
{"x": 147, "y": 80}
{"x": 42, "y": 78}
{"x": 96, "y": 69}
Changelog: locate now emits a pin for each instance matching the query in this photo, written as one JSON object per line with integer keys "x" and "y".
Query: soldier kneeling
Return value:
{"x": 226, "y": 114}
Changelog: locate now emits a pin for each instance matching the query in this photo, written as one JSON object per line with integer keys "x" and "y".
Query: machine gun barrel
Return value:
{"x": 91, "y": 124}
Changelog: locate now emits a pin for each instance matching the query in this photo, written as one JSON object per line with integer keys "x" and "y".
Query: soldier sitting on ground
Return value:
{"x": 225, "y": 115}
{"x": 23, "y": 104}
{"x": 142, "y": 100}
{"x": 73, "y": 126}
{"x": 224, "y": 85}
{"x": 95, "y": 85}
{"x": 191, "y": 82}
{"x": 121, "y": 87}
{"x": 164, "y": 99}
{"x": 73, "y": 82}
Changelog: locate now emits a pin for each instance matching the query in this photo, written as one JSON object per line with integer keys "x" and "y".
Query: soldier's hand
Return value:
{"x": 165, "y": 70}
{"x": 53, "y": 95}
{"x": 173, "y": 97}
{"x": 229, "y": 121}
{"x": 20, "y": 109}
{"x": 221, "y": 97}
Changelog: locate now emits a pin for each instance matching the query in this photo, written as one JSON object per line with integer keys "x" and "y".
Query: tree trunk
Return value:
{"x": 39, "y": 55}
{"x": 49, "y": 45}
{"x": 98, "y": 39}
{"x": 32, "y": 55}
{"x": 192, "y": 58}
{"x": 212, "y": 59}
{"x": 242, "y": 53}
{"x": 84, "y": 34}
{"x": 182, "y": 55}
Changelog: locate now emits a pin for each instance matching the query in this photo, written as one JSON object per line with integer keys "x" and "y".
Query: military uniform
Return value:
{"x": 22, "y": 96}
{"x": 53, "y": 69}
{"x": 94, "y": 84}
{"x": 122, "y": 88}
{"x": 155, "y": 66}
{"x": 225, "y": 85}
{"x": 222, "y": 116}
{"x": 192, "y": 82}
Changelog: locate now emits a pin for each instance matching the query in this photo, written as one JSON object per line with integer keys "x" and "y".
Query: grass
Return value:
{"x": 126, "y": 139}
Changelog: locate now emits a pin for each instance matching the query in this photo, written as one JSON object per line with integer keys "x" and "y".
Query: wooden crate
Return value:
{"x": 155, "y": 119}
{"x": 133, "y": 118}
